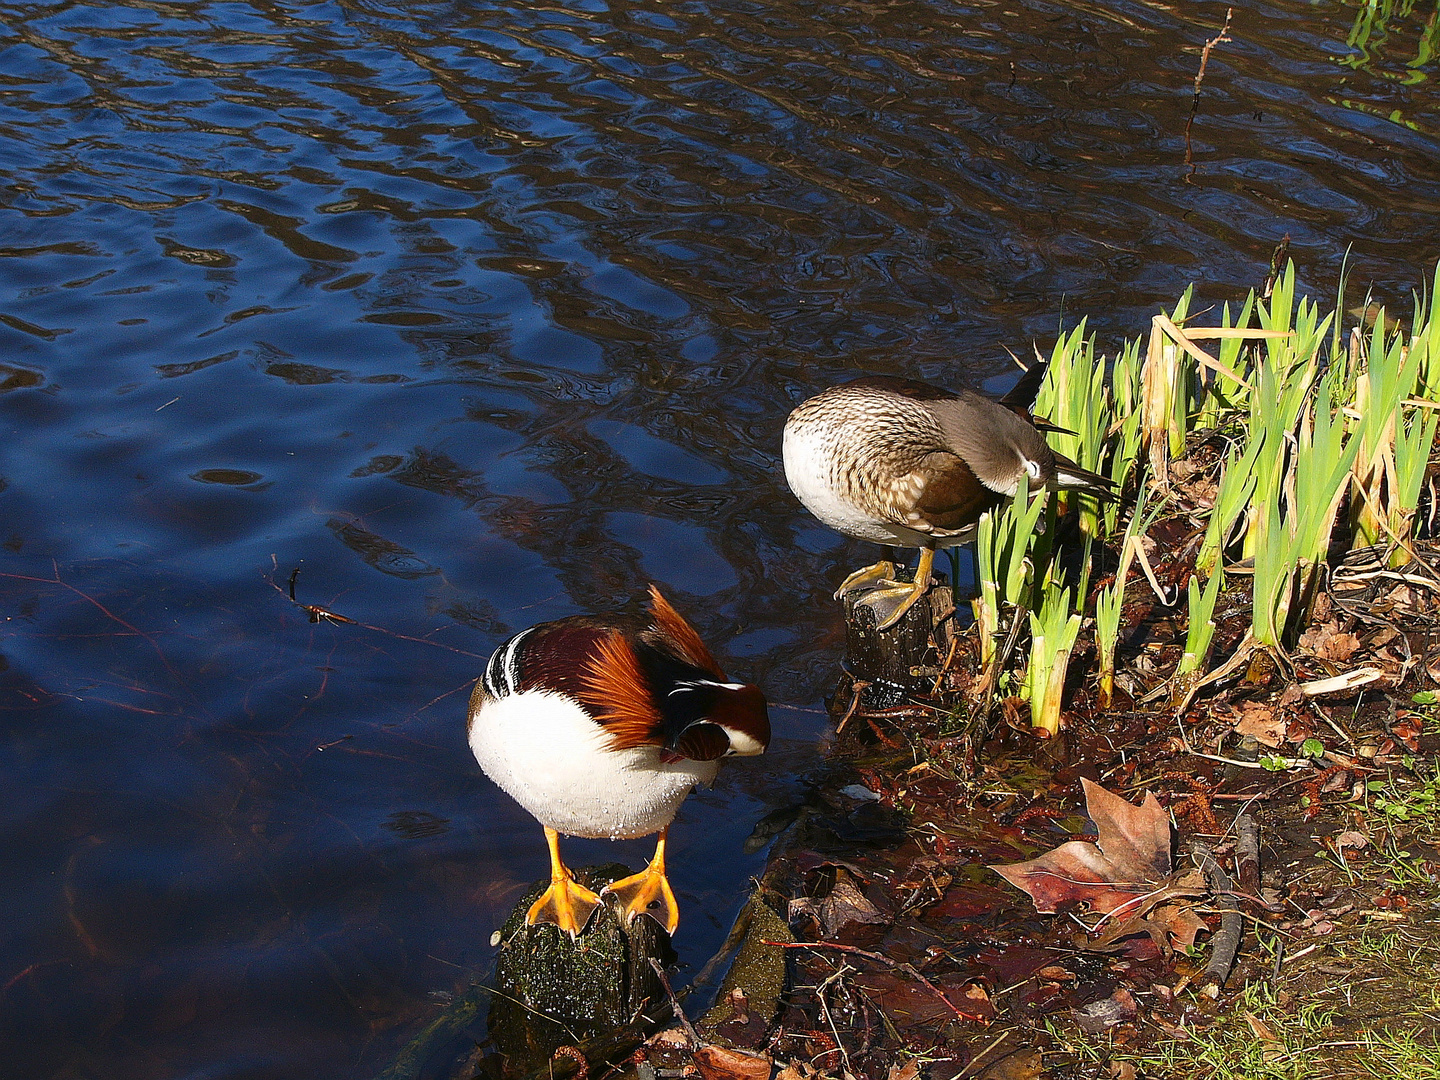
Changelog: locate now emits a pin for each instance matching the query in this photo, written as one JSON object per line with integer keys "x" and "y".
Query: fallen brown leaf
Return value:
{"x": 1273, "y": 1045}
{"x": 718, "y": 1063}
{"x": 1179, "y": 921}
{"x": 1401, "y": 596}
{"x": 1261, "y": 723}
{"x": 1126, "y": 875}
{"x": 1432, "y": 666}
{"x": 909, "y": 1002}
{"x": 1407, "y": 729}
{"x": 1023, "y": 1064}
{"x": 1131, "y": 857}
{"x": 1351, "y": 839}
{"x": 843, "y": 905}
{"x": 1159, "y": 918}
{"x": 1327, "y": 641}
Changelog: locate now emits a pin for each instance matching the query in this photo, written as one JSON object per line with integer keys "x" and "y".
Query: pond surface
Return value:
{"x": 481, "y": 314}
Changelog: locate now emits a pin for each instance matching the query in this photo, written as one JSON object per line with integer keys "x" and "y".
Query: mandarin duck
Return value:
{"x": 599, "y": 726}
{"x": 910, "y": 465}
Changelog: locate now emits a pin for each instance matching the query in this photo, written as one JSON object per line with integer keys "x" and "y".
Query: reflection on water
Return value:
{"x": 1387, "y": 34}
{"x": 486, "y": 314}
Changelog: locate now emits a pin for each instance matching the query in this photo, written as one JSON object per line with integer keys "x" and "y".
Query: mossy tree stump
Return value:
{"x": 551, "y": 991}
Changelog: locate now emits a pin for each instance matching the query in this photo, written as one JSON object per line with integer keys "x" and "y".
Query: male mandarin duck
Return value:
{"x": 600, "y": 726}
{"x": 910, "y": 465}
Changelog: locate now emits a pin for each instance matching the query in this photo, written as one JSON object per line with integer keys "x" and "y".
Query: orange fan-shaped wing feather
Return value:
{"x": 615, "y": 687}
{"x": 681, "y": 634}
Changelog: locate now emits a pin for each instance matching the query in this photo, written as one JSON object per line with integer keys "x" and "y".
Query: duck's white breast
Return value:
{"x": 814, "y": 475}
{"x": 547, "y": 754}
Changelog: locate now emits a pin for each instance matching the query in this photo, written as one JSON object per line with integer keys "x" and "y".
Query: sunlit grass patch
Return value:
{"x": 1262, "y": 1039}
{"x": 1406, "y": 1055}
{"x": 1413, "y": 800}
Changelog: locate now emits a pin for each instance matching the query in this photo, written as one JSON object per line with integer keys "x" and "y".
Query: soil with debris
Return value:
{"x": 1231, "y": 880}
{"x": 908, "y": 953}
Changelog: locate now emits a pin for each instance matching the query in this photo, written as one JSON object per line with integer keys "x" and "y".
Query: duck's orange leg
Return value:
{"x": 892, "y": 599}
{"x": 867, "y": 577}
{"x": 638, "y": 891}
{"x": 566, "y": 903}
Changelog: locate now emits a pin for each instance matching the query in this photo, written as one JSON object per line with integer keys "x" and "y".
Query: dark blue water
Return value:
{"x": 486, "y": 314}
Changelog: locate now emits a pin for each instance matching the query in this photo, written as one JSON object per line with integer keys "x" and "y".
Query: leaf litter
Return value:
{"x": 973, "y": 904}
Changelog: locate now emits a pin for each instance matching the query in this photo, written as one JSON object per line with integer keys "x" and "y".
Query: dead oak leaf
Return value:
{"x": 1407, "y": 729}
{"x": 1180, "y": 922}
{"x": 906, "y": 1001}
{"x": 1159, "y": 916}
{"x": 1116, "y": 874}
{"x": 1327, "y": 641}
{"x": 1027, "y": 1063}
{"x": 845, "y": 904}
{"x": 720, "y": 1063}
{"x": 1261, "y": 723}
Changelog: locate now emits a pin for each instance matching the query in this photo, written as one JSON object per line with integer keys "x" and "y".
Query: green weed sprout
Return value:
{"x": 1201, "y": 630}
{"x": 1074, "y": 396}
{"x": 1053, "y": 630}
{"x": 1002, "y": 569}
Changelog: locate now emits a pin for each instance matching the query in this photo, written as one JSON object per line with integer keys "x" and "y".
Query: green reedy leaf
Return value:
{"x": 1201, "y": 630}
{"x": 1053, "y": 631}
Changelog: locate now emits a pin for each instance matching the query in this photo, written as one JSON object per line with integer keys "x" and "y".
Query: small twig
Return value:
{"x": 830, "y": 1020}
{"x": 1224, "y": 35}
{"x": 318, "y": 614}
{"x": 56, "y": 580}
{"x": 1243, "y": 652}
{"x": 1247, "y": 853}
{"x": 1283, "y": 762}
{"x": 528, "y": 1008}
{"x": 991, "y": 677}
{"x": 1350, "y": 680}
{"x": 857, "y": 687}
{"x": 1277, "y": 263}
{"x": 1302, "y": 952}
{"x": 1226, "y": 942}
{"x": 993, "y": 1043}
{"x": 675, "y": 1004}
{"x": 315, "y": 612}
{"x": 949, "y": 659}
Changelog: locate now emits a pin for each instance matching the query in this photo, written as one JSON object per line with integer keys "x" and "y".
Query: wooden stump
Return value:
{"x": 903, "y": 660}
{"x": 551, "y": 991}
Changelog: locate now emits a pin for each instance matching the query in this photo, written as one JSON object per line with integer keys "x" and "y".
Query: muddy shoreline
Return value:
{"x": 910, "y": 948}
{"x": 879, "y": 939}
